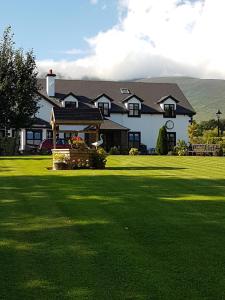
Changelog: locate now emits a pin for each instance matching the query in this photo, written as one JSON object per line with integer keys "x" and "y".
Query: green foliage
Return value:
{"x": 193, "y": 131}
{"x": 60, "y": 157}
{"x": 99, "y": 159}
{"x": 18, "y": 84}
{"x": 162, "y": 146}
{"x": 8, "y": 145}
{"x": 133, "y": 151}
{"x": 114, "y": 151}
{"x": 181, "y": 148}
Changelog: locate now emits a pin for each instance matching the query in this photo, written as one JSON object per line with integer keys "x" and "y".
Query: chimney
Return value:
{"x": 50, "y": 84}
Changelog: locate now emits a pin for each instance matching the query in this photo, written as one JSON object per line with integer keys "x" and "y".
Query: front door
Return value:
{"x": 171, "y": 140}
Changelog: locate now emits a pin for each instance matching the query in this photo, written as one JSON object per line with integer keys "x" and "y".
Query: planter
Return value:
{"x": 60, "y": 166}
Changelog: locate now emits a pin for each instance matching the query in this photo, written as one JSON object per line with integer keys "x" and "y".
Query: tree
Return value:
{"x": 18, "y": 85}
{"x": 194, "y": 131}
{"x": 162, "y": 143}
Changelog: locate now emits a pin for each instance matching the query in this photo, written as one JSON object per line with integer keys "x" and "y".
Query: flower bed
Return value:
{"x": 78, "y": 159}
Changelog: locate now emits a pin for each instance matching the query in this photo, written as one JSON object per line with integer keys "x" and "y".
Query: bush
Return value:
{"x": 181, "y": 148}
{"x": 9, "y": 146}
{"x": 99, "y": 159}
{"x": 162, "y": 146}
{"x": 133, "y": 151}
{"x": 114, "y": 151}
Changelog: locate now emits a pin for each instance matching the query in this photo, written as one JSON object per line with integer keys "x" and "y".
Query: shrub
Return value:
{"x": 162, "y": 146}
{"x": 114, "y": 151}
{"x": 133, "y": 151}
{"x": 9, "y": 146}
{"x": 181, "y": 148}
{"x": 99, "y": 159}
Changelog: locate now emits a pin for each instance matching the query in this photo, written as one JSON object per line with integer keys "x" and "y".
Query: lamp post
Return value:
{"x": 218, "y": 114}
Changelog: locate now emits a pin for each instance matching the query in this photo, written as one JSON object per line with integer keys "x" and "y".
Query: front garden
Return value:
{"x": 146, "y": 227}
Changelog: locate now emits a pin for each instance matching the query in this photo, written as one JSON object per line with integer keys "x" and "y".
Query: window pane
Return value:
{"x": 29, "y": 135}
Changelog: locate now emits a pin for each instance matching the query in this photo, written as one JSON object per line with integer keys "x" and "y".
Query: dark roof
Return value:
{"x": 132, "y": 96}
{"x": 163, "y": 99}
{"x": 111, "y": 125}
{"x": 87, "y": 90}
{"x": 38, "y": 122}
{"x": 70, "y": 114}
{"x": 102, "y": 95}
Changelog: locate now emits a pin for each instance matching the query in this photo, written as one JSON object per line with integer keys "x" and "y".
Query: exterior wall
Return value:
{"x": 168, "y": 101}
{"x": 103, "y": 99}
{"x": 45, "y": 110}
{"x": 149, "y": 126}
{"x": 133, "y": 100}
{"x": 50, "y": 86}
{"x": 71, "y": 99}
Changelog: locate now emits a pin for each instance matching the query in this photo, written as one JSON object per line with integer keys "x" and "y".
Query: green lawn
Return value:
{"x": 144, "y": 228}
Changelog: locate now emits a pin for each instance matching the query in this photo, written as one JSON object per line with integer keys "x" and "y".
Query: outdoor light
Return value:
{"x": 218, "y": 114}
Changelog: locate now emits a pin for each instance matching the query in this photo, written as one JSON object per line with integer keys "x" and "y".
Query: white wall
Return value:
{"x": 103, "y": 99}
{"x": 45, "y": 110}
{"x": 168, "y": 101}
{"x": 133, "y": 100}
{"x": 71, "y": 99}
{"x": 149, "y": 126}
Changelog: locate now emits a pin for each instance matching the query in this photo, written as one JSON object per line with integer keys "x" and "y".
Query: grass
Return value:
{"x": 144, "y": 228}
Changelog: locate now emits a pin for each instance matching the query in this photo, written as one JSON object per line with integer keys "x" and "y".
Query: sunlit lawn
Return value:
{"x": 144, "y": 228}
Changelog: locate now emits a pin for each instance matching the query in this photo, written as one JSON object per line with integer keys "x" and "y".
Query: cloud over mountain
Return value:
{"x": 154, "y": 38}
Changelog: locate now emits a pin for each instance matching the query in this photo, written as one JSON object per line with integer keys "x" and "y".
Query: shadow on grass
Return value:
{"x": 111, "y": 237}
{"x": 31, "y": 157}
{"x": 144, "y": 168}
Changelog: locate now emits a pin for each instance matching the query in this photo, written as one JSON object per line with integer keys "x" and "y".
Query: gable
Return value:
{"x": 70, "y": 98}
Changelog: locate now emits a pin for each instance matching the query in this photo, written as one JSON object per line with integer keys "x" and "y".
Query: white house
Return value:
{"x": 133, "y": 111}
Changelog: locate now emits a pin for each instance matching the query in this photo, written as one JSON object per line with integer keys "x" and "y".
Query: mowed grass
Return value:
{"x": 147, "y": 227}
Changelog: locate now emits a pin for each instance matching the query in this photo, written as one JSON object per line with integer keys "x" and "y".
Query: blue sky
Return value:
{"x": 53, "y": 27}
{"x": 121, "y": 39}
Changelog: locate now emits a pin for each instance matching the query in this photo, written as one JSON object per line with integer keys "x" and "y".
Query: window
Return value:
{"x": 70, "y": 104}
{"x": 134, "y": 139}
{"x": 49, "y": 134}
{"x": 133, "y": 110}
{"x": 104, "y": 107}
{"x": 33, "y": 137}
{"x": 169, "y": 111}
{"x": 68, "y": 135}
{"x": 124, "y": 91}
{"x": 2, "y": 133}
{"x": 171, "y": 140}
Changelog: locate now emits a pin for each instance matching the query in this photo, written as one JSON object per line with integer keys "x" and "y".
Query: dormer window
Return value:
{"x": 134, "y": 110}
{"x": 70, "y": 104}
{"x": 169, "y": 111}
{"x": 104, "y": 107}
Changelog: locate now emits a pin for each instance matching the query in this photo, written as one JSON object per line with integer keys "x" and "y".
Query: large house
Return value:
{"x": 133, "y": 111}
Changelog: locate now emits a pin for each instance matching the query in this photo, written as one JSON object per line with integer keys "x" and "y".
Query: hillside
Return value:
{"x": 205, "y": 95}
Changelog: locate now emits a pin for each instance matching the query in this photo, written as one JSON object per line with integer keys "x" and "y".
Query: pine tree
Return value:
{"x": 162, "y": 143}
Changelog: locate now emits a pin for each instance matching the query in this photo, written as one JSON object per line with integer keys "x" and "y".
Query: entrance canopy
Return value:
{"x": 73, "y": 116}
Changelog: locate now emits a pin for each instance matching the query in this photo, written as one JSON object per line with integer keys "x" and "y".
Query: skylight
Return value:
{"x": 124, "y": 91}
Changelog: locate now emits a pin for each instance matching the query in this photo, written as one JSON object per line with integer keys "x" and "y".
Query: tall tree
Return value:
{"x": 18, "y": 84}
{"x": 162, "y": 142}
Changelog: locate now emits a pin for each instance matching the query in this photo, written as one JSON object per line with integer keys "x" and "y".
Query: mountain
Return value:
{"x": 205, "y": 95}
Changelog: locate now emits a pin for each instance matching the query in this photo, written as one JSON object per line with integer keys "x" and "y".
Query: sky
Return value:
{"x": 121, "y": 39}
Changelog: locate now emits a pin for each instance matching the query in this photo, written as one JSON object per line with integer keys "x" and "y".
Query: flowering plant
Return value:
{"x": 77, "y": 142}
{"x": 80, "y": 163}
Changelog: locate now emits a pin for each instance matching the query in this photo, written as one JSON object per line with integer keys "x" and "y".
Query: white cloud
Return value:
{"x": 94, "y": 2}
{"x": 155, "y": 38}
{"x": 73, "y": 51}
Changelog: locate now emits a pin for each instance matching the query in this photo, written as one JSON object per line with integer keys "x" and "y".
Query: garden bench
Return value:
{"x": 204, "y": 149}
